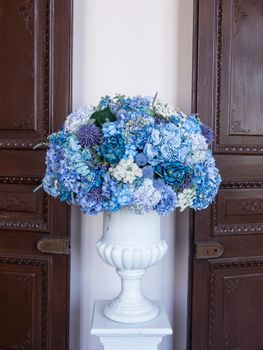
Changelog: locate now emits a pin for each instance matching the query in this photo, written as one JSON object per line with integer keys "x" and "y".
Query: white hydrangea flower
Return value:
{"x": 145, "y": 198}
{"x": 198, "y": 142}
{"x": 78, "y": 118}
{"x": 126, "y": 171}
{"x": 199, "y": 148}
{"x": 198, "y": 157}
{"x": 185, "y": 199}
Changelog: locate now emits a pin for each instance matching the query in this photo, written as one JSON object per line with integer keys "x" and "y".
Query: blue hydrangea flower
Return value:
{"x": 110, "y": 129}
{"x": 91, "y": 202}
{"x": 206, "y": 191}
{"x": 168, "y": 201}
{"x": 164, "y": 143}
{"x": 64, "y": 193}
{"x": 58, "y": 138}
{"x": 54, "y": 157}
{"x": 106, "y": 102}
{"x": 145, "y": 198}
{"x": 78, "y": 118}
{"x": 170, "y": 147}
{"x": 192, "y": 125}
{"x": 116, "y": 196}
{"x": 121, "y": 115}
{"x": 207, "y": 180}
{"x": 140, "y": 105}
{"x": 49, "y": 184}
{"x": 137, "y": 130}
{"x": 152, "y": 153}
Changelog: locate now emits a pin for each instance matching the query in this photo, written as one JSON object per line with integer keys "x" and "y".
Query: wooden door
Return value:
{"x": 227, "y": 306}
{"x": 35, "y": 55}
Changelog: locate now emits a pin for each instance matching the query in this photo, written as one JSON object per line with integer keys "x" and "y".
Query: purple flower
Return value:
{"x": 158, "y": 120}
{"x": 147, "y": 172}
{"x": 91, "y": 202}
{"x": 89, "y": 135}
{"x": 95, "y": 195}
{"x": 208, "y": 133}
{"x": 141, "y": 159}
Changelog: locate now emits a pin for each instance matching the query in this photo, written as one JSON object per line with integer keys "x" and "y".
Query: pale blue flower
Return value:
{"x": 141, "y": 159}
{"x": 148, "y": 172}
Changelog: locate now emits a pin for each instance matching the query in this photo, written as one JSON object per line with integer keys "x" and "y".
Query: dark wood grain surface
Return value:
{"x": 35, "y": 97}
{"x": 227, "y": 308}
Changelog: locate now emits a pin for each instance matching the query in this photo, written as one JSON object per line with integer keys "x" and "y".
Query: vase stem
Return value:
{"x": 131, "y": 285}
{"x": 131, "y": 306}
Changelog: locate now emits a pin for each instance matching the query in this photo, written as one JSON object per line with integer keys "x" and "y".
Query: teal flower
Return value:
{"x": 173, "y": 173}
{"x": 112, "y": 149}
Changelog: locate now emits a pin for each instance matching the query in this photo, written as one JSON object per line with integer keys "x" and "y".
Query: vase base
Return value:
{"x": 129, "y": 313}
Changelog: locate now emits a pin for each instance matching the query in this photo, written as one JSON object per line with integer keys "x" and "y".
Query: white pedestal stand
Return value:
{"x": 119, "y": 336}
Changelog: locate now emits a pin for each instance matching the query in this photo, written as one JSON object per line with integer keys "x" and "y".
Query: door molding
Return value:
{"x": 35, "y": 98}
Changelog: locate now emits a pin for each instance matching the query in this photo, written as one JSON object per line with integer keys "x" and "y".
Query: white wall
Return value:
{"x": 132, "y": 47}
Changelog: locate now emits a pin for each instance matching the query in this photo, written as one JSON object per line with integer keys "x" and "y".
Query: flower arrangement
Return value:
{"x": 134, "y": 152}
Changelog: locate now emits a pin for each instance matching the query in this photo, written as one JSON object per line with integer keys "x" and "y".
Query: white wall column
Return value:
{"x": 133, "y": 47}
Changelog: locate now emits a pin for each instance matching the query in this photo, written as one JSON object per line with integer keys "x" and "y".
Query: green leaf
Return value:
{"x": 99, "y": 160}
{"x": 119, "y": 97}
{"x": 100, "y": 117}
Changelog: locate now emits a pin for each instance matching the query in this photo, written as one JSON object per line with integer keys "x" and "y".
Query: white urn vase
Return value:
{"x": 131, "y": 243}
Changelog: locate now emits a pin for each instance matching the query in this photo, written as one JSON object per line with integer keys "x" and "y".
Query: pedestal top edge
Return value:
{"x": 101, "y": 325}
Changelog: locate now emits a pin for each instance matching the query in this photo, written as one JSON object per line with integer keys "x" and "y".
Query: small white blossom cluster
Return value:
{"x": 78, "y": 118}
{"x": 126, "y": 171}
{"x": 185, "y": 198}
{"x": 166, "y": 111}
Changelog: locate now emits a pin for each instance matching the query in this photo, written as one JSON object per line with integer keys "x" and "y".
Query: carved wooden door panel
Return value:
{"x": 35, "y": 55}
{"x": 227, "y": 307}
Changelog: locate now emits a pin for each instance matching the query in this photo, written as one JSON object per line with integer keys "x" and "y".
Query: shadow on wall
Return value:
{"x": 183, "y": 98}
{"x": 79, "y": 40}
{"x": 75, "y": 279}
{"x": 184, "y": 39}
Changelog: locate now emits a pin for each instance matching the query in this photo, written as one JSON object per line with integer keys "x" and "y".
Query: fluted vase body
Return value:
{"x": 131, "y": 243}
